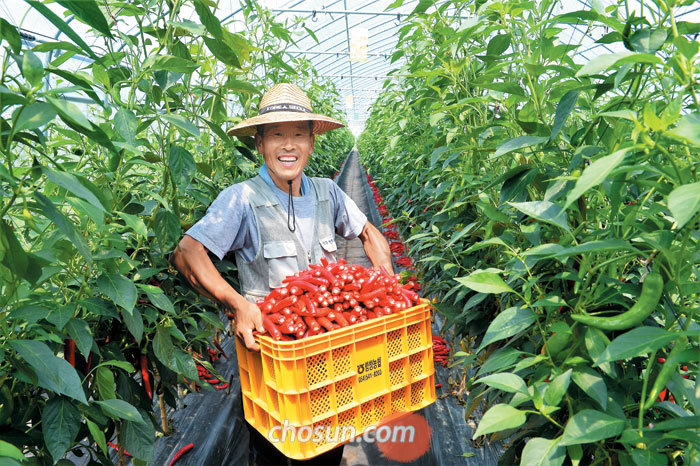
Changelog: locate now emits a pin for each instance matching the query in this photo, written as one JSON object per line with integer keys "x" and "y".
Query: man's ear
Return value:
{"x": 258, "y": 142}
{"x": 313, "y": 141}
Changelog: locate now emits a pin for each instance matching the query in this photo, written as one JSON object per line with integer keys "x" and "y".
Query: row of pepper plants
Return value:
{"x": 95, "y": 328}
{"x": 549, "y": 197}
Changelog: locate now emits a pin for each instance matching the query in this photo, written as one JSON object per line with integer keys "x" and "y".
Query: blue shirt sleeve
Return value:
{"x": 227, "y": 224}
{"x": 349, "y": 219}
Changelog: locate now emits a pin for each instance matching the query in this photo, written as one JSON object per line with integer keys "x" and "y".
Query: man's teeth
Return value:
{"x": 287, "y": 159}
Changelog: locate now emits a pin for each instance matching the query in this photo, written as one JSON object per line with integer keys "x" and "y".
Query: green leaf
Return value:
{"x": 79, "y": 331}
{"x": 500, "y": 417}
{"x": 520, "y": 142}
{"x": 592, "y": 384}
{"x": 498, "y": 44}
{"x": 648, "y": 41}
{"x": 34, "y": 116}
{"x": 596, "y": 342}
{"x": 637, "y": 342}
{"x": 182, "y": 166}
{"x": 14, "y": 256}
{"x": 105, "y": 383}
{"x": 684, "y": 203}
{"x": 161, "y": 301}
{"x": 484, "y": 282}
{"x": 170, "y": 63}
{"x": 53, "y": 373}
{"x": 688, "y": 128}
{"x": 167, "y": 229}
{"x": 119, "y": 289}
{"x": 595, "y": 173}
{"x": 125, "y": 123}
{"x": 7, "y": 450}
{"x": 134, "y": 323}
{"x": 511, "y": 383}
{"x": 135, "y": 223}
{"x": 648, "y": 458}
{"x": 209, "y": 20}
{"x": 11, "y": 35}
{"x": 544, "y": 211}
{"x": 543, "y": 452}
{"x": 32, "y": 69}
{"x": 66, "y": 226}
{"x": 556, "y": 389}
{"x": 62, "y": 26}
{"x": 60, "y": 423}
{"x": 139, "y": 439}
{"x": 124, "y": 365}
{"x": 73, "y": 184}
{"x": 184, "y": 364}
{"x": 120, "y": 409}
{"x": 508, "y": 323}
{"x": 89, "y": 13}
{"x": 70, "y": 112}
{"x": 588, "y": 426}
{"x": 612, "y": 244}
{"x": 564, "y": 108}
{"x": 164, "y": 349}
{"x": 601, "y": 63}
{"x": 223, "y": 52}
{"x": 182, "y": 123}
{"x": 98, "y": 436}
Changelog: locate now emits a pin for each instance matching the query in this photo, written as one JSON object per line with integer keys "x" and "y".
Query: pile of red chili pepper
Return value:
{"x": 397, "y": 247}
{"x": 329, "y": 296}
{"x": 440, "y": 350}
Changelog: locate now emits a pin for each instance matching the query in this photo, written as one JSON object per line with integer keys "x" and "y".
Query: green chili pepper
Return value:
{"x": 652, "y": 288}
{"x": 678, "y": 354}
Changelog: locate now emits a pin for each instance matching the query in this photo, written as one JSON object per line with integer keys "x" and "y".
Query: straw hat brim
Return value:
{"x": 248, "y": 127}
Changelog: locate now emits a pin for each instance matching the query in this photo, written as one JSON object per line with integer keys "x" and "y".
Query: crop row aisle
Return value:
{"x": 505, "y": 273}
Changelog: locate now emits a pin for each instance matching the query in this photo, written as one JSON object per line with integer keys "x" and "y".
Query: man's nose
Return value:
{"x": 288, "y": 142}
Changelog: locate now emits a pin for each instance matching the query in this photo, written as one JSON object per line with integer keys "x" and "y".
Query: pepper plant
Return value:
{"x": 94, "y": 325}
{"x": 551, "y": 205}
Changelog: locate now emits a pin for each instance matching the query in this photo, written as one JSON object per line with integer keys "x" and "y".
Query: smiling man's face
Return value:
{"x": 286, "y": 148}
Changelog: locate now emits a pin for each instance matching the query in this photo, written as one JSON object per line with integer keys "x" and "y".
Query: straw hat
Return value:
{"x": 281, "y": 103}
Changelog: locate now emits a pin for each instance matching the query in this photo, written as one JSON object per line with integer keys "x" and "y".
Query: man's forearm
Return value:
{"x": 190, "y": 258}
{"x": 376, "y": 247}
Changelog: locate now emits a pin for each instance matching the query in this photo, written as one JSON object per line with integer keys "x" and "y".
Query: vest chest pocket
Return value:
{"x": 281, "y": 257}
{"x": 329, "y": 248}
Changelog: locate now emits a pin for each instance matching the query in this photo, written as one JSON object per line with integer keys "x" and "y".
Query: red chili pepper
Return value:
{"x": 117, "y": 448}
{"x": 221, "y": 386}
{"x": 438, "y": 385}
{"x": 325, "y": 323}
{"x": 277, "y": 318}
{"x": 89, "y": 363}
{"x": 218, "y": 346}
{"x": 181, "y": 452}
{"x": 304, "y": 285}
{"x": 69, "y": 351}
{"x": 312, "y": 323}
{"x": 340, "y": 319}
{"x": 145, "y": 376}
{"x": 661, "y": 360}
{"x": 286, "y": 302}
{"x": 271, "y": 328}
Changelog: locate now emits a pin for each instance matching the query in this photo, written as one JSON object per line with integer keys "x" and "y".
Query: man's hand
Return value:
{"x": 376, "y": 247}
{"x": 248, "y": 319}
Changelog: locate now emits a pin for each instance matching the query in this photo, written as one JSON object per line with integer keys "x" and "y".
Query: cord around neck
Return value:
{"x": 290, "y": 204}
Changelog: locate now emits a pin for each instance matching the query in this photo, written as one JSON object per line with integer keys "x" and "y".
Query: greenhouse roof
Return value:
{"x": 353, "y": 44}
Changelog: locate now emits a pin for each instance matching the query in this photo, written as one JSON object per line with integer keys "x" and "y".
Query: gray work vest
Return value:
{"x": 280, "y": 253}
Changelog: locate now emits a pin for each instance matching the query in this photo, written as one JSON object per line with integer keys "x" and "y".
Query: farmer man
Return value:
{"x": 276, "y": 223}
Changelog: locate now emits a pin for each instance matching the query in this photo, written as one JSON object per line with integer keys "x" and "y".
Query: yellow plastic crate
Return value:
{"x": 356, "y": 376}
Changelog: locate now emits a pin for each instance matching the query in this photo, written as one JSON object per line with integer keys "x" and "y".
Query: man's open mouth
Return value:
{"x": 287, "y": 160}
